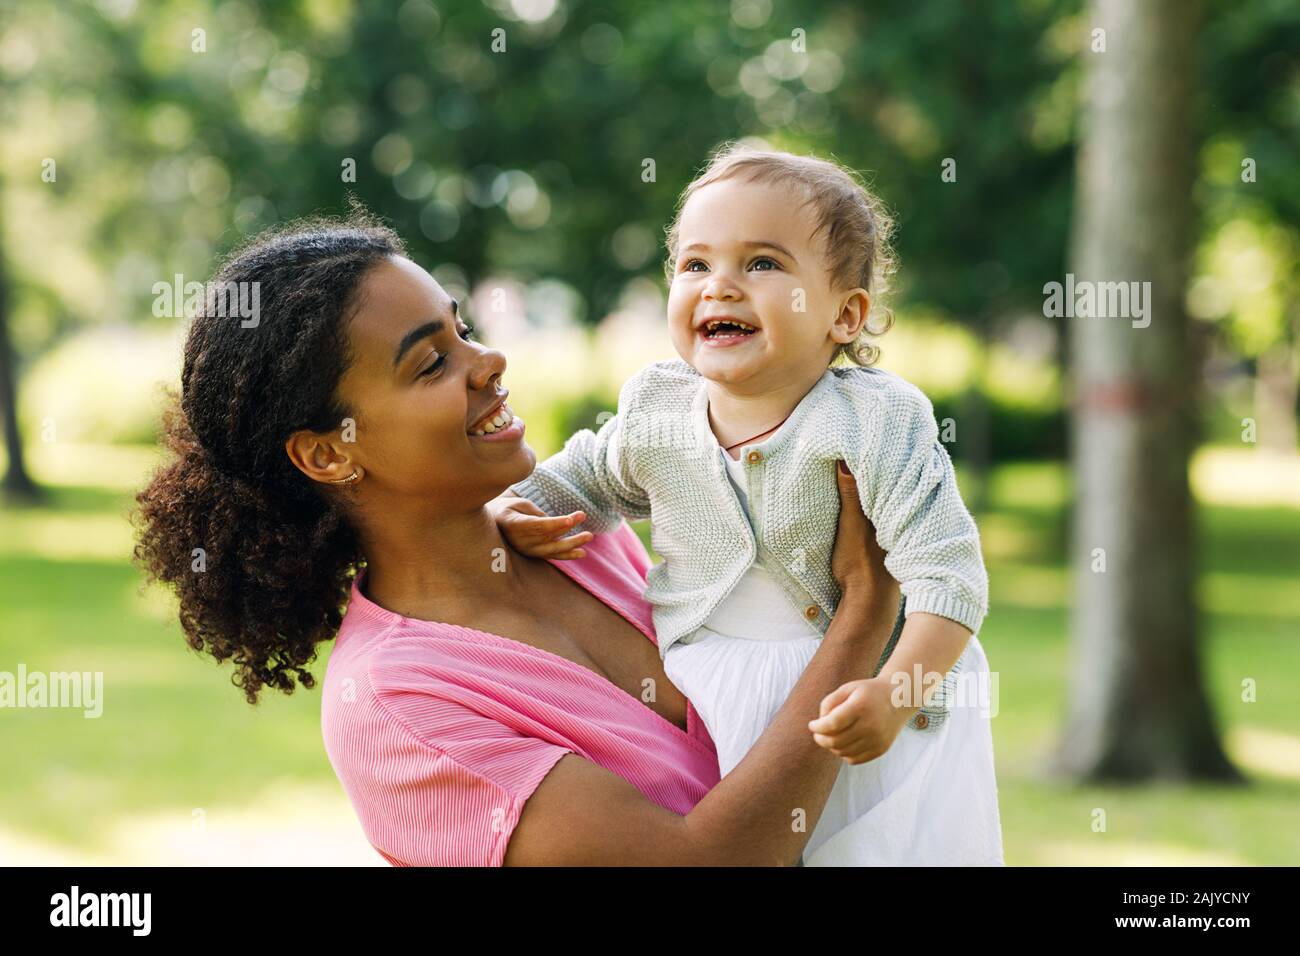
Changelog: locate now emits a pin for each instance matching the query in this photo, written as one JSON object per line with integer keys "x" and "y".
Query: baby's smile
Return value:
{"x": 725, "y": 331}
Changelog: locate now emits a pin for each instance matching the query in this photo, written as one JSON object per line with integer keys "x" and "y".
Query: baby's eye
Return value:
{"x": 771, "y": 262}
{"x": 692, "y": 262}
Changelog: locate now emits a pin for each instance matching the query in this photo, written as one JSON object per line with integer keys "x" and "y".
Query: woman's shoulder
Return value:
{"x": 397, "y": 687}
{"x": 388, "y": 645}
{"x": 620, "y": 552}
{"x": 432, "y": 741}
{"x": 388, "y": 661}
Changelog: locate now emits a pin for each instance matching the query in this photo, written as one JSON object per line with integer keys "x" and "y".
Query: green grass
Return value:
{"x": 1251, "y": 622}
{"x": 174, "y": 732}
{"x": 175, "y": 735}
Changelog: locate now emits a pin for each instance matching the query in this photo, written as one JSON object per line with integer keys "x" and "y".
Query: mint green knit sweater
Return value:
{"x": 658, "y": 459}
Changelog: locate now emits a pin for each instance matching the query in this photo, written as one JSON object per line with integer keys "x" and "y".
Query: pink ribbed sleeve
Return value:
{"x": 427, "y": 808}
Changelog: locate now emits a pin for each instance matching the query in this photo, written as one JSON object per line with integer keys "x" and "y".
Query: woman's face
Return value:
{"x": 423, "y": 391}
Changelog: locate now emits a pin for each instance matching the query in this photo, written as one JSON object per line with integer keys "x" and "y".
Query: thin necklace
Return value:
{"x": 751, "y": 438}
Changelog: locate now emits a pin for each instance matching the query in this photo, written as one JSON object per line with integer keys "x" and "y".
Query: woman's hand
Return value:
{"x": 857, "y": 562}
{"x": 531, "y": 532}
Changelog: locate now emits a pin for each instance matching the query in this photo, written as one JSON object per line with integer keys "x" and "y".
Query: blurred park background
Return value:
{"x": 530, "y": 153}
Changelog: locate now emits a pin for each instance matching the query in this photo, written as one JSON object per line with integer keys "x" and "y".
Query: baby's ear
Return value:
{"x": 853, "y": 316}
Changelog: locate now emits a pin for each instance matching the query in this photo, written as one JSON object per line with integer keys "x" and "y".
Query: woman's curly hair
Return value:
{"x": 261, "y": 559}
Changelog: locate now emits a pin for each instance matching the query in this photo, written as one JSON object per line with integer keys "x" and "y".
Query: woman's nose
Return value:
{"x": 489, "y": 366}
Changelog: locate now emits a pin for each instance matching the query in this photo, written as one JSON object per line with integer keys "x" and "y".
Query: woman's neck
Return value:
{"x": 445, "y": 567}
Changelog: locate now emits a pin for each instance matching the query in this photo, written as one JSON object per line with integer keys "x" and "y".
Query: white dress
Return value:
{"x": 931, "y": 800}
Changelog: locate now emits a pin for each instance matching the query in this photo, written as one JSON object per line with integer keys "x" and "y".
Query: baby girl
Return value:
{"x": 731, "y": 451}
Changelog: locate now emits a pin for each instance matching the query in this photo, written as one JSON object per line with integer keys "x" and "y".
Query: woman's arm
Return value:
{"x": 582, "y": 814}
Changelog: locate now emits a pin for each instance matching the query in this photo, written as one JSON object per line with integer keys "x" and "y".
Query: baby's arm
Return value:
{"x": 932, "y": 545}
{"x": 909, "y": 491}
{"x": 590, "y": 474}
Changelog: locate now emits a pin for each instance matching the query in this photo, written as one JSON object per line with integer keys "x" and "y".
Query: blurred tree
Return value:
{"x": 17, "y": 483}
{"x": 1138, "y": 706}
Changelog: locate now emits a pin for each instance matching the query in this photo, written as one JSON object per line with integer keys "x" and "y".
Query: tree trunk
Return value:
{"x": 1138, "y": 708}
{"x": 17, "y": 484}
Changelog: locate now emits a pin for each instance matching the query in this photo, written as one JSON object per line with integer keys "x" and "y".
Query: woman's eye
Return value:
{"x": 466, "y": 333}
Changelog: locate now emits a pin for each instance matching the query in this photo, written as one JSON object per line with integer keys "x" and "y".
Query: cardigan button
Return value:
{"x": 754, "y": 457}
{"x": 811, "y": 611}
{"x": 922, "y": 721}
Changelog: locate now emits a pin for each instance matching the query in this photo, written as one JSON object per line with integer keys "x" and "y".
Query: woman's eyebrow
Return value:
{"x": 422, "y": 331}
{"x": 413, "y": 336}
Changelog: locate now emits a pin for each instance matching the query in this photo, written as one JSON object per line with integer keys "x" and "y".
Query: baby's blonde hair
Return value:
{"x": 857, "y": 226}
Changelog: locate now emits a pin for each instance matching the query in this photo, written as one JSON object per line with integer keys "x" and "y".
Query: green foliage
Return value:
{"x": 531, "y": 161}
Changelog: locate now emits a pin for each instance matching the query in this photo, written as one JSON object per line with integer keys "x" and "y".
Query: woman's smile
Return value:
{"x": 505, "y": 426}
{"x": 498, "y": 415}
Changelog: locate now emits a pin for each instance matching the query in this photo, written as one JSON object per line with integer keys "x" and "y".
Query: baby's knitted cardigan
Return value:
{"x": 658, "y": 459}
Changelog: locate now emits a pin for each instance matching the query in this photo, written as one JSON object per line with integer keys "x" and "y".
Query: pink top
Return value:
{"x": 439, "y": 732}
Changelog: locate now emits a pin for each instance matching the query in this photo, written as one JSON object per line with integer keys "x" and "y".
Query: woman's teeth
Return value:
{"x": 498, "y": 421}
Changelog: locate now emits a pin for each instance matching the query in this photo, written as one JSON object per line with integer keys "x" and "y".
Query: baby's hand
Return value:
{"x": 530, "y": 532}
{"x": 859, "y": 721}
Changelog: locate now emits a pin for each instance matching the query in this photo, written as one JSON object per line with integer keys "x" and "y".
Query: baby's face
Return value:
{"x": 746, "y": 252}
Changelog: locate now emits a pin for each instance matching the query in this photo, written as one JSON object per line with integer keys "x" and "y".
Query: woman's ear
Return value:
{"x": 317, "y": 456}
{"x": 852, "y": 317}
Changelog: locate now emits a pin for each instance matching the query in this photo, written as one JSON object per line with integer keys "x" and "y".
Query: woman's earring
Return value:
{"x": 350, "y": 478}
